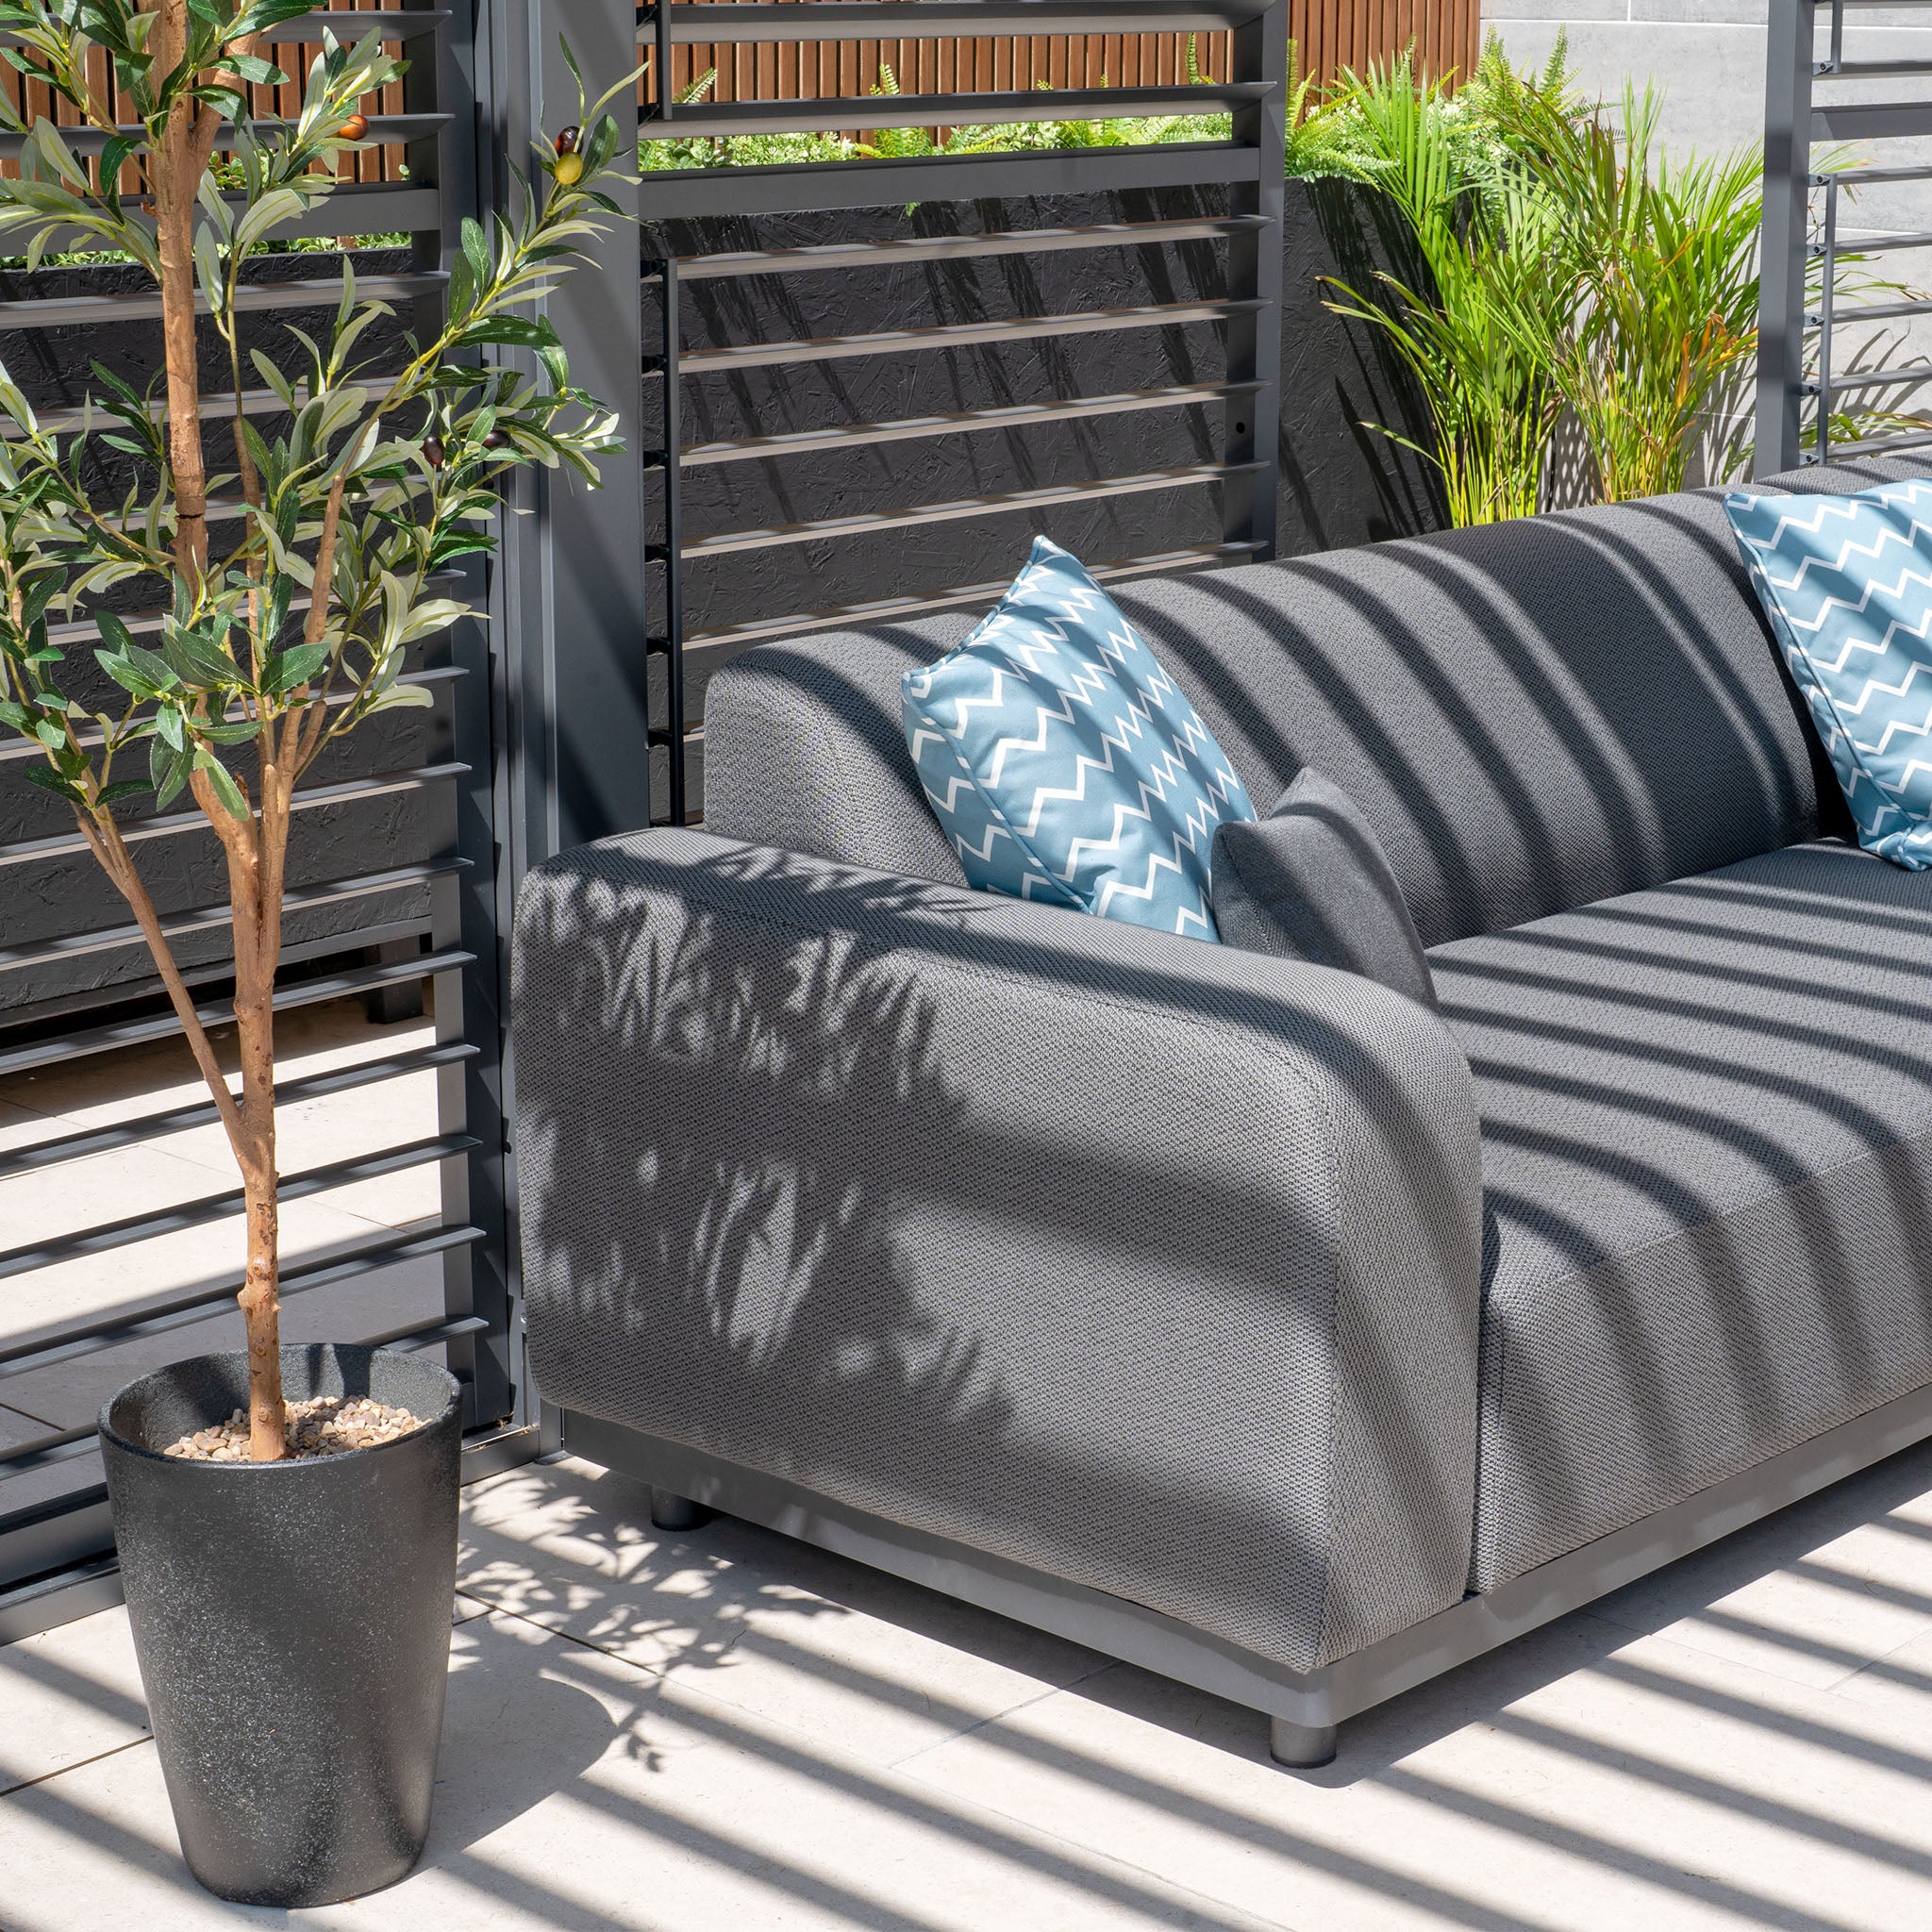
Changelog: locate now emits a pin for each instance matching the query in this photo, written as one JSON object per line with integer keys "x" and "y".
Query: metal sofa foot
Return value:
{"x": 1301, "y": 1747}
{"x": 671, "y": 1511}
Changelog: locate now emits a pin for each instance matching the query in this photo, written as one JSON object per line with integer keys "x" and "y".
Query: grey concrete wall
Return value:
{"x": 1707, "y": 58}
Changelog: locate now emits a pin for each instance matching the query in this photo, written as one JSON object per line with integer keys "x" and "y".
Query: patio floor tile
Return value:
{"x": 725, "y": 1730}
{"x": 771, "y": 1627}
{"x": 1642, "y": 1784}
{"x": 627, "y": 1800}
{"x": 66, "y": 1696}
{"x": 1809, "y": 1605}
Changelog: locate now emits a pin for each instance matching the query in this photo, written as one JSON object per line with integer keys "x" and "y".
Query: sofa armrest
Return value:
{"x": 1147, "y": 1263}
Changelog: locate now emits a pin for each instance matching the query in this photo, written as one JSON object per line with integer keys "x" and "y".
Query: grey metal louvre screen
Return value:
{"x": 52, "y": 1518}
{"x": 1243, "y": 311}
{"x": 1817, "y": 97}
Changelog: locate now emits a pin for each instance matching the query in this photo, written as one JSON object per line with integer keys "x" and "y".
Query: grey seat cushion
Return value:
{"x": 1311, "y": 881}
{"x": 1708, "y": 1160}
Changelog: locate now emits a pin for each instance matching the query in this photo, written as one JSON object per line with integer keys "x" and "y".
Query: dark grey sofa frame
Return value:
{"x": 1230, "y": 1316}
{"x": 1303, "y": 1708}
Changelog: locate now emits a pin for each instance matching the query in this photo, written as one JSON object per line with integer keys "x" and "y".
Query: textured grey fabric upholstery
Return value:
{"x": 1707, "y": 1153}
{"x": 1185, "y": 1272}
{"x": 806, "y": 750}
{"x": 1148, "y": 1263}
{"x": 1531, "y": 716}
{"x": 1311, "y": 882}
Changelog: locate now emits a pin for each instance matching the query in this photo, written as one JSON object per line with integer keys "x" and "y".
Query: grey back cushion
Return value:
{"x": 1530, "y": 716}
{"x": 1311, "y": 882}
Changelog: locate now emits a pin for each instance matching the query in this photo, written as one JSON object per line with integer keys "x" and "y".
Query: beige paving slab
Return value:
{"x": 1577, "y": 1781}
{"x": 627, "y": 1800}
{"x": 769, "y": 1626}
{"x": 67, "y": 1696}
{"x": 1814, "y": 1593}
{"x": 16, "y": 1428}
{"x": 1899, "y": 1682}
{"x": 21, "y": 1126}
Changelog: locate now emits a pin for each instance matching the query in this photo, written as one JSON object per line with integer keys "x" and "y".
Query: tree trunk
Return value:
{"x": 260, "y": 1296}
{"x": 261, "y": 1309}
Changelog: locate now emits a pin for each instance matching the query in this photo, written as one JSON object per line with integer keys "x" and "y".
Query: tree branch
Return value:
{"x": 103, "y": 839}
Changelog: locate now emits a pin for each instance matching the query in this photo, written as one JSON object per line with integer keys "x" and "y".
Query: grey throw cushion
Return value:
{"x": 1311, "y": 881}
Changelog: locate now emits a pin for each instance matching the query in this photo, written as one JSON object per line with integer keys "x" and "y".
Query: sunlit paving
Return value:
{"x": 652, "y": 1731}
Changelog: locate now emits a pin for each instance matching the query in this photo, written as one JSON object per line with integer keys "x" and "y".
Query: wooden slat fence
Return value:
{"x": 1332, "y": 34}
{"x": 38, "y": 100}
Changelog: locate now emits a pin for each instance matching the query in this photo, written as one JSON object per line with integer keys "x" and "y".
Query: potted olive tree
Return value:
{"x": 286, "y": 1517}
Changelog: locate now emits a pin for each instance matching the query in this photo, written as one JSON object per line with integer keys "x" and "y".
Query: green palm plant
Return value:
{"x": 1475, "y": 320}
{"x": 1660, "y": 285}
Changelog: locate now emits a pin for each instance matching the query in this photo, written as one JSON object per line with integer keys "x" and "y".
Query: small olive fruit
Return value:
{"x": 569, "y": 169}
{"x": 433, "y": 450}
{"x": 496, "y": 440}
{"x": 567, "y": 140}
{"x": 354, "y": 127}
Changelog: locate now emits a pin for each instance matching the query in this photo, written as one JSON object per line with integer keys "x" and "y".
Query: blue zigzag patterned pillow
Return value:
{"x": 1064, "y": 764}
{"x": 1847, "y": 584}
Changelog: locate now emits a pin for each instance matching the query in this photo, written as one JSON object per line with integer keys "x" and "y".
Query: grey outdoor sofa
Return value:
{"x": 1237, "y": 1317}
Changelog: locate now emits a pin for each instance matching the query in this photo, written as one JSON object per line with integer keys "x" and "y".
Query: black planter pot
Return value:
{"x": 292, "y": 1621}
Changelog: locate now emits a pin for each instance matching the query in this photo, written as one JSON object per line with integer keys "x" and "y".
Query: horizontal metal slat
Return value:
{"x": 960, "y": 422}
{"x": 49, "y": 1348}
{"x": 211, "y": 918}
{"x": 959, "y": 335}
{"x": 1869, "y": 120}
{"x": 908, "y": 248}
{"x": 897, "y": 110}
{"x": 55, "y": 1511}
{"x": 19, "y": 750}
{"x": 867, "y": 522}
{"x": 411, "y": 23}
{"x": 42, "y": 1451}
{"x": 1880, "y": 445}
{"x": 803, "y": 187}
{"x": 1877, "y": 242}
{"x": 26, "y": 850}
{"x": 360, "y": 208}
{"x": 832, "y": 20}
{"x": 1868, "y": 311}
{"x": 155, "y": 1127}
{"x": 1859, "y": 178}
{"x": 420, "y": 1335}
{"x": 311, "y": 993}
{"x": 78, "y": 311}
{"x": 347, "y": 28}
{"x": 90, "y": 141}
{"x": 212, "y": 1207}
{"x": 1878, "y": 378}
{"x": 1867, "y": 69}
{"x": 44, "y": 1603}
{"x": 82, "y": 629}
{"x": 721, "y": 643}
